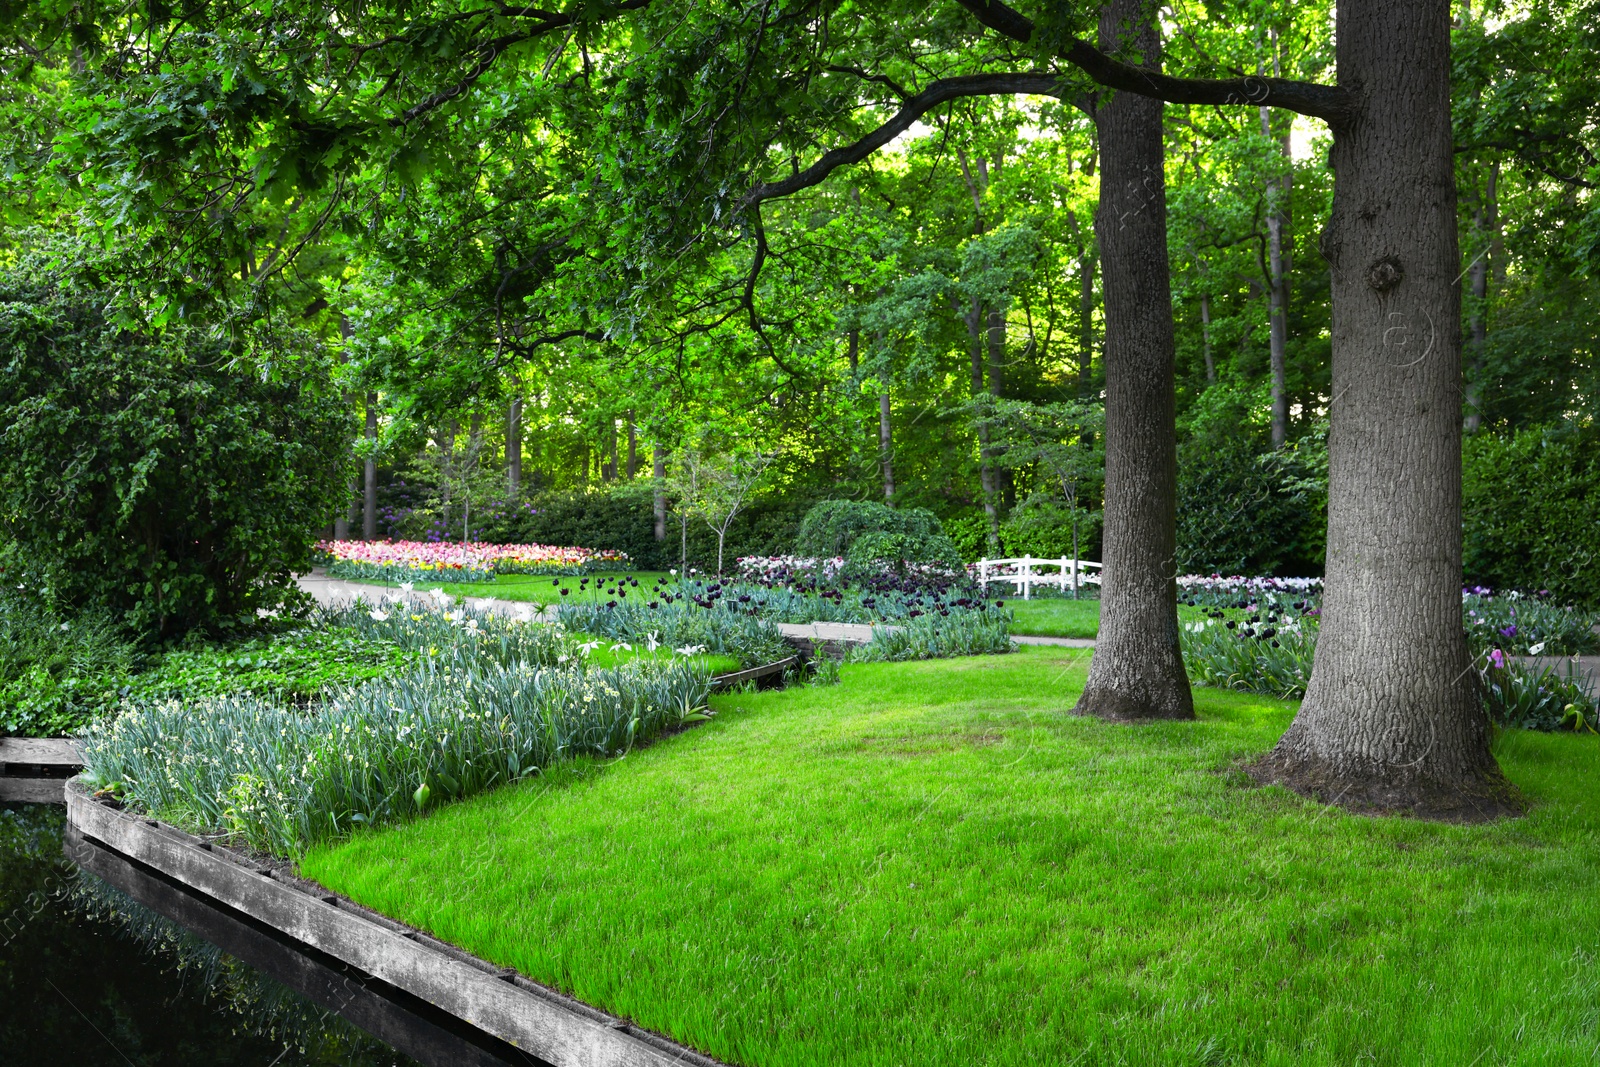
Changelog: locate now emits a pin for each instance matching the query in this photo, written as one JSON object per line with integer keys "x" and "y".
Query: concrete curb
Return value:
{"x": 501, "y": 1003}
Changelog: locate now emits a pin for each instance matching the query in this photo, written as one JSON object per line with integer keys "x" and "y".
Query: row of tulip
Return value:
{"x": 475, "y": 561}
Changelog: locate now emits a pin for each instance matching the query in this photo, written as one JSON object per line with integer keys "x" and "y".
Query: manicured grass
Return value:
{"x": 541, "y": 588}
{"x": 1055, "y": 617}
{"x": 932, "y": 863}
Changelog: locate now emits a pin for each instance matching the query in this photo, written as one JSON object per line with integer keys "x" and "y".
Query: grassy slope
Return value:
{"x": 930, "y": 863}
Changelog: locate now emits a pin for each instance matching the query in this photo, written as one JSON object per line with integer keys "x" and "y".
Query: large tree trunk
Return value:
{"x": 1487, "y": 223}
{"x": 514, "y": 449}
{"x": 1137, "y": 670}
{"x": 369, "y": 496}
{"x": 1392, "y": 719}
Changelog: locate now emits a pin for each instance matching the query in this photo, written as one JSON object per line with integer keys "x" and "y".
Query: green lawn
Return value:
{"x": 932, "y": 864}
{"x": 540, "y": 588}
{"x": 1069, "y": 618}
{"x": 1056, "y": 618}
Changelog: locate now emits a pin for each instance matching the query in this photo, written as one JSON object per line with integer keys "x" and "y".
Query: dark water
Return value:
{"x": 103, "y": 961}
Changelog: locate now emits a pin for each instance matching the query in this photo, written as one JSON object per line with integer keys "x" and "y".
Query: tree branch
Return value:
{"x": 1330, "y": 103}
{"x": 938, "y": 92}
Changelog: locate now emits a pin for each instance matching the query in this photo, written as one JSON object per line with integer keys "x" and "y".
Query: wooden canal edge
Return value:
{"x": 554, "y": 1027}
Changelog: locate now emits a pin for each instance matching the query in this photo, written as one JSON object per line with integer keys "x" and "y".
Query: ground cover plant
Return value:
{"x": 490, "y": 701}
{"x": 990, "y": 880}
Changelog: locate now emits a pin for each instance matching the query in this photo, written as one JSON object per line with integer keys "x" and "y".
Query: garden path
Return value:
{"x": 332, "y": 591}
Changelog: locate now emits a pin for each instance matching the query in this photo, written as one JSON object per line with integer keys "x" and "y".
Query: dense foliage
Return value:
{"x": 1530, "y": 507}
{"x": 176, "y": 479}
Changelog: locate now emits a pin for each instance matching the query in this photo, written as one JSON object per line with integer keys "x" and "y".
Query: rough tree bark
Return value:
{"x": 514, "y": 448}
{"x": 1392, "y": 719}
{"x": 1137, "y": 669}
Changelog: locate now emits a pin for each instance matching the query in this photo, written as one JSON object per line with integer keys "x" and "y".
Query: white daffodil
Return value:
{"x": 589, "y": 646}
{"x": 623, "y": 645}
{"x": 690, "y": 650}
{"x": 652, "y": 641}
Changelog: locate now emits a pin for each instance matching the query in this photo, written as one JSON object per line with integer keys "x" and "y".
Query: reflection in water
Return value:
{"x": 120, "y": 966}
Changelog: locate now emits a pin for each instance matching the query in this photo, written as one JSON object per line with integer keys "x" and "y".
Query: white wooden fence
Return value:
{"x": 1023, "y": 575}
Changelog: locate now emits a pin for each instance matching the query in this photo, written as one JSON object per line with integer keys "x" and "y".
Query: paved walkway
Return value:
{"x": 1060, "y": 642}
{"x": 331, "y": 592}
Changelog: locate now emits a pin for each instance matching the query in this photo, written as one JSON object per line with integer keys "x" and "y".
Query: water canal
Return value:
{"x": 103, "y": 961}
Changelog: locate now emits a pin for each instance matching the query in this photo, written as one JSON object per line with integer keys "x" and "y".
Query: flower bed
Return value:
{"x": 1271, "y": 651}
{"x": 476, "y": 561}
{"x": 936, "y": 621}
{"x": 490, "y": 700}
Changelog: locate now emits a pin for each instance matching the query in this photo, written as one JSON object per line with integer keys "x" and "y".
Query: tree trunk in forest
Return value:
{"x": 658, "y": 470}
{"x": 1486, "y": 221}
{"x": 976, "y": 186}
{"x": 1278, "y": 275}
{"x": 514, "y": 449}
{"x": 1205, "y": 337}
{"x": 633, "y": 448}
{"x": 1392, "y": 719}
{"x": 608, "y": 469}
{"x": 884, "y": 446}
{"x": 986, "y": 479}
{"x": 341, "y": 521}
{"x": 1137, "y": 669}
{"x": 369, "y": 496}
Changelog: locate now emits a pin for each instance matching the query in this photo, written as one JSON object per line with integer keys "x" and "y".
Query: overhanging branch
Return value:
{"x": 939, "y": 92}
{"x": 1327, "y": 102}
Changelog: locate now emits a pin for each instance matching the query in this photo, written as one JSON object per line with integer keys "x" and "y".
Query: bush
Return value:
{"x": 1042, "y": 526}
{"x": 1243, "y": 511}
{"x": 170, "y": 479}
{"x": 1529, "y": 504}
{"x": 913, "y": 535}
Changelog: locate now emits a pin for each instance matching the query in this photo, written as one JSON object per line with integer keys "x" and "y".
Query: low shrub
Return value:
{"x": 867, "y": 534}
{"x": 1245, "y": 508}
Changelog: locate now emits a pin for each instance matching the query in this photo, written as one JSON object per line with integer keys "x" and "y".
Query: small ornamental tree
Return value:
{"x": 716, "y": 487}
{"x": 167, "y": 478}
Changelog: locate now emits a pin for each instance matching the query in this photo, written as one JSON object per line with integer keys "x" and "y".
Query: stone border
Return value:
{"x": 498, "y": 1001}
